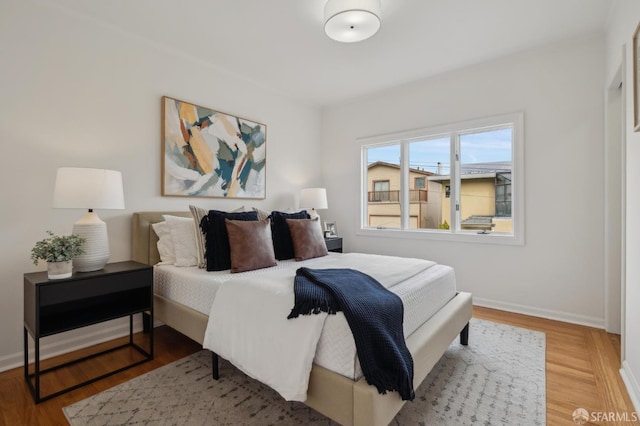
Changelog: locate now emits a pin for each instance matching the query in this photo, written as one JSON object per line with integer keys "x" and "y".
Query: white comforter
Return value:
{"x": 248, "y": 322}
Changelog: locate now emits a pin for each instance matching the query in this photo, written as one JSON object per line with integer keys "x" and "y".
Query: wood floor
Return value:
{"x": 581, "y": 371}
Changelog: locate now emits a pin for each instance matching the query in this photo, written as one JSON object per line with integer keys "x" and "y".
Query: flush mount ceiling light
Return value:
{"x": 349, "y": 21}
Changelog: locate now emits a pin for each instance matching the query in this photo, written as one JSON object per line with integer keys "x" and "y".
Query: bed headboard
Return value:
{"x": 144, "y": 247}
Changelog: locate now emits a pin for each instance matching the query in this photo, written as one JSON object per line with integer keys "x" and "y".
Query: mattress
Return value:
{"x": 422, "y": 295}
{"x": 196, "y": 288}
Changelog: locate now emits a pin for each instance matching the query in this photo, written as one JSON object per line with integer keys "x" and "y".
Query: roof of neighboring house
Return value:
{"x": 488, "y": 167}
{"x": 397, "y": 166}
{"x": 478, "y": 170}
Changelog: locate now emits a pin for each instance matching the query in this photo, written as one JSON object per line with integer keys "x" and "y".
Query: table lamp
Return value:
{"x": 313, "y": 198}
{"x": 83, "y": 188}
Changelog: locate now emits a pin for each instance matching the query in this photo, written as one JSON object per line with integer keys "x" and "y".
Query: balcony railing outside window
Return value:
{"x": 415, "y": 195}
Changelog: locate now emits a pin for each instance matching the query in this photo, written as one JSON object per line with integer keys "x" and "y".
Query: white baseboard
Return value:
{"x": 542, "y": 313}
{"x": 66, "y": 343}
{"x": 633, "y": 388}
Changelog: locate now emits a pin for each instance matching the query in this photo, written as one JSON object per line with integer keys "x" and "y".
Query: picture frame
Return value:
{"x": 208, "y": 153}
{"x": 636, "y": 79}
{"x": 331, "y": 230}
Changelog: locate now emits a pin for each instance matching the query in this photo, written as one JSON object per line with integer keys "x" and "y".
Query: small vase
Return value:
{"x": 59, "y": 270}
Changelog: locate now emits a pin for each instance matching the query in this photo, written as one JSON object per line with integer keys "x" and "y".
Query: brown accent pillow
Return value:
{"x": 306, "y": 235}
{"x": 250, "y": 244}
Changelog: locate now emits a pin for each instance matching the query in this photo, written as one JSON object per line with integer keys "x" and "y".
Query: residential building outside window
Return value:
{"x": 458, "y": 181}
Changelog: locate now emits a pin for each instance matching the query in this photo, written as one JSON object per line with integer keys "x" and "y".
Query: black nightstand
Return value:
{"x": 334, "y": 244}
{"x": 54, "y": 306}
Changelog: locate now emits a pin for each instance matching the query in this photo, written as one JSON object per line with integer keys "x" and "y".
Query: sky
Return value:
{"x": 479, "y": 147}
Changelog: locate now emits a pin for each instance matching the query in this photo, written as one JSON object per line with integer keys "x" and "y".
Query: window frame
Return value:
{"x": 453, "y": 131}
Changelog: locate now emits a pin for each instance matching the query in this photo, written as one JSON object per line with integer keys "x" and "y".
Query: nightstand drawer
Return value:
{"x": 334, "y": 244}
{"x": 92, "y": 310}
{"x": 54, "y": 293}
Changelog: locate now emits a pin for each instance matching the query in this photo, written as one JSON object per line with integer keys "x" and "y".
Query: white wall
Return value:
{"x": 558, "y": 273}
{"x": 77, "y": 93}
{"x": 622, "y": 23}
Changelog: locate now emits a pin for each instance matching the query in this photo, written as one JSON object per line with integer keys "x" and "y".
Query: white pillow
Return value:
{"x": 165, "y": 244}
{"x": 262, "y": 214}
{"x": 183, "y": 237}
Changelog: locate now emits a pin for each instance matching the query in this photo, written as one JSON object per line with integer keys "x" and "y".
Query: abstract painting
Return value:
{"x": 207, "y": 153}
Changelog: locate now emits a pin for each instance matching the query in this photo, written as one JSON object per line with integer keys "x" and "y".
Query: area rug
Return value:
{"x": 498, "y": 379}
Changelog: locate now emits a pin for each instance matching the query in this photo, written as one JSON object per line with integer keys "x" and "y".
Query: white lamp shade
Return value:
{"x": 83, "y": 188}
{"x": 314, "y": 198}
{"x": 350, "y": 21}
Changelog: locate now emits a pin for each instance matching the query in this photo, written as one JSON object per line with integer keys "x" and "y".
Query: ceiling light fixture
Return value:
{"x": 349, "y": 21}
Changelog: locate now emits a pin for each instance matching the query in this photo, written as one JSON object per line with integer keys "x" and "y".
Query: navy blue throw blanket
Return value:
{"x": 375, "y": 316}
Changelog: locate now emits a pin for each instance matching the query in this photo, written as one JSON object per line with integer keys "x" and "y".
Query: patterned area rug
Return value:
{"x": 499, "y": 379}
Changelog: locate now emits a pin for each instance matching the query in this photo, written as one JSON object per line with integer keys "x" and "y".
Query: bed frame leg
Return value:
{"x": 464, "y": 335}
{"x": 214, "y": 363}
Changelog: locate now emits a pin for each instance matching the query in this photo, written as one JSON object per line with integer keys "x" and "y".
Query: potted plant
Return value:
{"x": 57, "y": 251}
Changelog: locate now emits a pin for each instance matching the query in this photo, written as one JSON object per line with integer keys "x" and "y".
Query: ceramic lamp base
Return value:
{"x": 96, "y": 247}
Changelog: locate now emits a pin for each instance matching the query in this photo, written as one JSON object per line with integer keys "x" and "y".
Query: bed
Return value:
{"x": 346, "y": 401}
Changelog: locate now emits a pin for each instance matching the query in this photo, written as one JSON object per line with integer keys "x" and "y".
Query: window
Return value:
{"x": 380, "y": 191}
{"x": 458, "y": 181}
{"x": 383, "y": 186}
